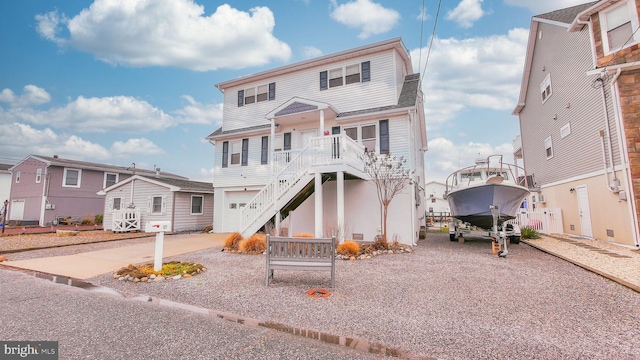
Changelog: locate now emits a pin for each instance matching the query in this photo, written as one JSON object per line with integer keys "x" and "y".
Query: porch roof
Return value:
{"x": 175, "y": 185}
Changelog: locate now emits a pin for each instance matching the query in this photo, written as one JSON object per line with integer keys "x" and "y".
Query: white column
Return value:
{"x": 340, "y": 210}
{"x": 278, "y": 223}
{"x": 321, "y": 122}
{"x": 319, "y": 207}
{"x": 271, "y": 140}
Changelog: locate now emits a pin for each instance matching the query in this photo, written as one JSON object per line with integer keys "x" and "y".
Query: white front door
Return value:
{"x": 306, "y": 135}
{"x": 583, "y": 211}
{"x": 16, "y": 211}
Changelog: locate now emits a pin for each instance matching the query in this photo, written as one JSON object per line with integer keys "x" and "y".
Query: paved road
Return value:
{"x": 94, "y": 325}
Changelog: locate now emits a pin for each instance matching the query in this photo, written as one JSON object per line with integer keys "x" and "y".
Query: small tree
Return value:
{"x": 390, "y": 177}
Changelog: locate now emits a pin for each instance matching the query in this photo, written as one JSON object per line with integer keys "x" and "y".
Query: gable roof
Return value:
{"x": 566, "y": 15}
{"x": 563, "y": 18}
{"x": 175, "y": 185}
{"x": 395, "y": 43}
{"x": 57, "y": 161}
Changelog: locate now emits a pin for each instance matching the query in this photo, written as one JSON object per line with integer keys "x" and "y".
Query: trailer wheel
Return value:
{"x": 515, "y": 239}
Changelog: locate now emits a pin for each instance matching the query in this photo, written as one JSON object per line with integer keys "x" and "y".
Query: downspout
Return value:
{"x": 611, "y": 188}
{"x": 45, "y": 195}
{"x": 624, "y": 156}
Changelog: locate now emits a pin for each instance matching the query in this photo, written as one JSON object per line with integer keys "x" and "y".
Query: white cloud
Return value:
{"x": 310, "y": 52}
{"x": 197, "y": 113}
{"x": 32, "y": 95}
{"x": 466, "y": 13}
{"x": 371, "y": 18}
{"x": 480, "y": 72}
{"x": 17, "y": 139}
{"x": 544, "y": 6}
{"x": 444, "y": 157}
{"x": 139, "y": 146}
{"x": 170, "y": 33}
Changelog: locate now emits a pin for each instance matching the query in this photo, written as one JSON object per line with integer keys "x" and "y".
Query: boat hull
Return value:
{"x": 472, "y": 204}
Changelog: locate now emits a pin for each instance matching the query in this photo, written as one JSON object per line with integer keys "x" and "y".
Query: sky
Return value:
{"x": 122, "y": 82}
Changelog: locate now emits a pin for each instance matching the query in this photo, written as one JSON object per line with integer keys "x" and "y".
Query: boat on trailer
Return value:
{"x": 486, "y": 195}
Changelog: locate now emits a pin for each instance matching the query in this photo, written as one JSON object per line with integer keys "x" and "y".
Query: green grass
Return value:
{"x": 529, "y": 233}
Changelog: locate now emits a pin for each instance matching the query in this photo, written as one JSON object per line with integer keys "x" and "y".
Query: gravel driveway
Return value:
{"x": 446, "y": 300}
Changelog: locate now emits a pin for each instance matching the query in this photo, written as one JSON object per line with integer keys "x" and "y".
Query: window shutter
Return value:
{"x": 264, "y": 155}
{"x": 287, "y": 141}
{"x": 225, "y": 154}
{"x": 240, "y": 98}
{"x": 164, "y": 204}
{"x": 323, "y": 80}
{"x": 384, "y": 136}
{"x": 366, "y": 71}
{"x": 272, "y": 91}
{"x": 245, "y": 152}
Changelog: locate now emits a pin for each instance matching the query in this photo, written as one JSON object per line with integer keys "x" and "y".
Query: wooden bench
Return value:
{"x": 285, "y": 253}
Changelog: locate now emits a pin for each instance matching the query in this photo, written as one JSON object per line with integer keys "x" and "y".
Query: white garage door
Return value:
{"x": 235, "y": 201}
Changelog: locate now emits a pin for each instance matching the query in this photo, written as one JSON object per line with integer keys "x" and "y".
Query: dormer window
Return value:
{"x": 349, "y": 74}
{"x": 617, "y": 26}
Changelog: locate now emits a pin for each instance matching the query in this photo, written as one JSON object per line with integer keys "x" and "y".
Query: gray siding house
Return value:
{"x": 569, "y": 143}
{"x": 44, "y": 189}
{"x": 140, "y": 199}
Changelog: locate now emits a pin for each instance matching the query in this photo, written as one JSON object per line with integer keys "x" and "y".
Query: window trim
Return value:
{"x": 548, "y": 149}
{"x": 565, "y": 131}
{"x": 64, "y": 178}
{"x": 162, "y": 205}
{"x": 359, "y": 139}
{"x": 38, "y": 175}
{"x": 231, "y": 143}
{"x": 113, "y": 203}
{"x": 604, "y": 31}
{"x": 106, "y": 174}
{"x": 546, "y": 83}
{"x": 201, "y": 205}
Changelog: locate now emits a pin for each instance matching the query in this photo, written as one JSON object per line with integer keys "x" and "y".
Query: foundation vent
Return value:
{"x": 609, "y": 233}
{"x": 358, "y": 236}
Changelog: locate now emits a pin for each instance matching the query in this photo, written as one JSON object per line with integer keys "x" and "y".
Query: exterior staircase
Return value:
{"x": 295, "y": 179}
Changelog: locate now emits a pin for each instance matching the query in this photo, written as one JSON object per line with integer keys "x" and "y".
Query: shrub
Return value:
{"x": 207, "y": 228}
{"x": 380, "y": 243}
{"x": 232, "y": 241}
{"x": 304, "y": 235}
{"x": 98, "y": 218}
{"x": 255, "y": 244}
{"x": 86, "y": 221}
{"x": 348, "y": 247}
{"x": 529, "y": 233}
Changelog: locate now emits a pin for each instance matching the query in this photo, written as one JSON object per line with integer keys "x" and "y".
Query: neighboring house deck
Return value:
{"x": 288, "y": 152}
{"x": 45, "y": 189}
{"x": 130, "y": 204}
{"x": 573, "y": 137}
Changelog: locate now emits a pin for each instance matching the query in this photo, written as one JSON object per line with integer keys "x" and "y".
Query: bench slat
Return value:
{"x": 300, "y": 254}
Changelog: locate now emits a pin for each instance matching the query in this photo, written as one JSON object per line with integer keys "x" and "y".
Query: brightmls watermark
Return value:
{"x": 39, "y": 350}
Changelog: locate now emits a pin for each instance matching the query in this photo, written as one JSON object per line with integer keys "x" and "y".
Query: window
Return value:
{"x": 277, "y": 143}
{"x": 110, "y": 179}
{"x": 353, "y": 74}
{"x": 72, "y": 178}
{"x": 233, "y": 206}
{"x": 117, "y": 203}
{"x": 548, "y": 146}
{"x": 565, "y": 131}
{"x": 262, "y": 93}
{"x": 545, "y": 88}
{"x": 197, "y": 202}
{"x": 156, "y": 205}
{"x": 350, "y": 74}
{"x": 366, "y": 135}
{"x": 18, "y": 175}
{"x": 352, "y": 133}
{"x": 617, "y": 26}
{"x": 38, "y": 175}
{"x": 236, "y": 149}
{"x": 249, "y": 96}
{"x": 335, "y": 77}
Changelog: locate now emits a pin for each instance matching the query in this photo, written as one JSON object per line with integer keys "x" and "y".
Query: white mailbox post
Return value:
{"x": 158, "y": 227}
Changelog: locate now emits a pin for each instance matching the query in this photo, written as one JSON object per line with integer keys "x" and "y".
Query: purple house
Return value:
{"x": 44, "y": 189}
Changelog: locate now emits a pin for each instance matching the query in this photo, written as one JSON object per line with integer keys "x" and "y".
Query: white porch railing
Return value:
{"x": 293, "y": 173}
{"x": 126, "y": 220}
{"x": 544, "y": 221}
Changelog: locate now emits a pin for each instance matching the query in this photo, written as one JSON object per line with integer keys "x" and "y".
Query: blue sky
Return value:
{"x": 123, "y": 82}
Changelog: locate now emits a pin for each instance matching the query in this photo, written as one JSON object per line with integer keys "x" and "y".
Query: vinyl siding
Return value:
{"x": 183, "y": 220}
{"x": 382, "y": 90}
{"x": 573, "y": 101}
{"x": 27, "y": 189}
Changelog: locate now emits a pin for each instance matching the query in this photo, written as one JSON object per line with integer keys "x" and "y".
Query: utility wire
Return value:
{"x": 623, "y": 45}
{"x": 433, "y": 33}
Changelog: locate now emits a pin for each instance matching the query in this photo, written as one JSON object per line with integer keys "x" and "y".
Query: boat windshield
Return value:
{"x": 504, "y": 174}
{"x": 471, "y": 176}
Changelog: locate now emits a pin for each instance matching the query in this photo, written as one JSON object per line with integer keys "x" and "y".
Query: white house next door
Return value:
{"x": 583, "y": 211}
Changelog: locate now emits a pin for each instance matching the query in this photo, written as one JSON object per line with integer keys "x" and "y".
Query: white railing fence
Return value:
{"x": 126, "y": 220}
{"x": 291, "y": 166}
{"x": 544, "y": 221}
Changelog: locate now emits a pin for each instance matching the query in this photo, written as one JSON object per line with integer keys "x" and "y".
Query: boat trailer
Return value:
{"x": 499, "y": 233}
